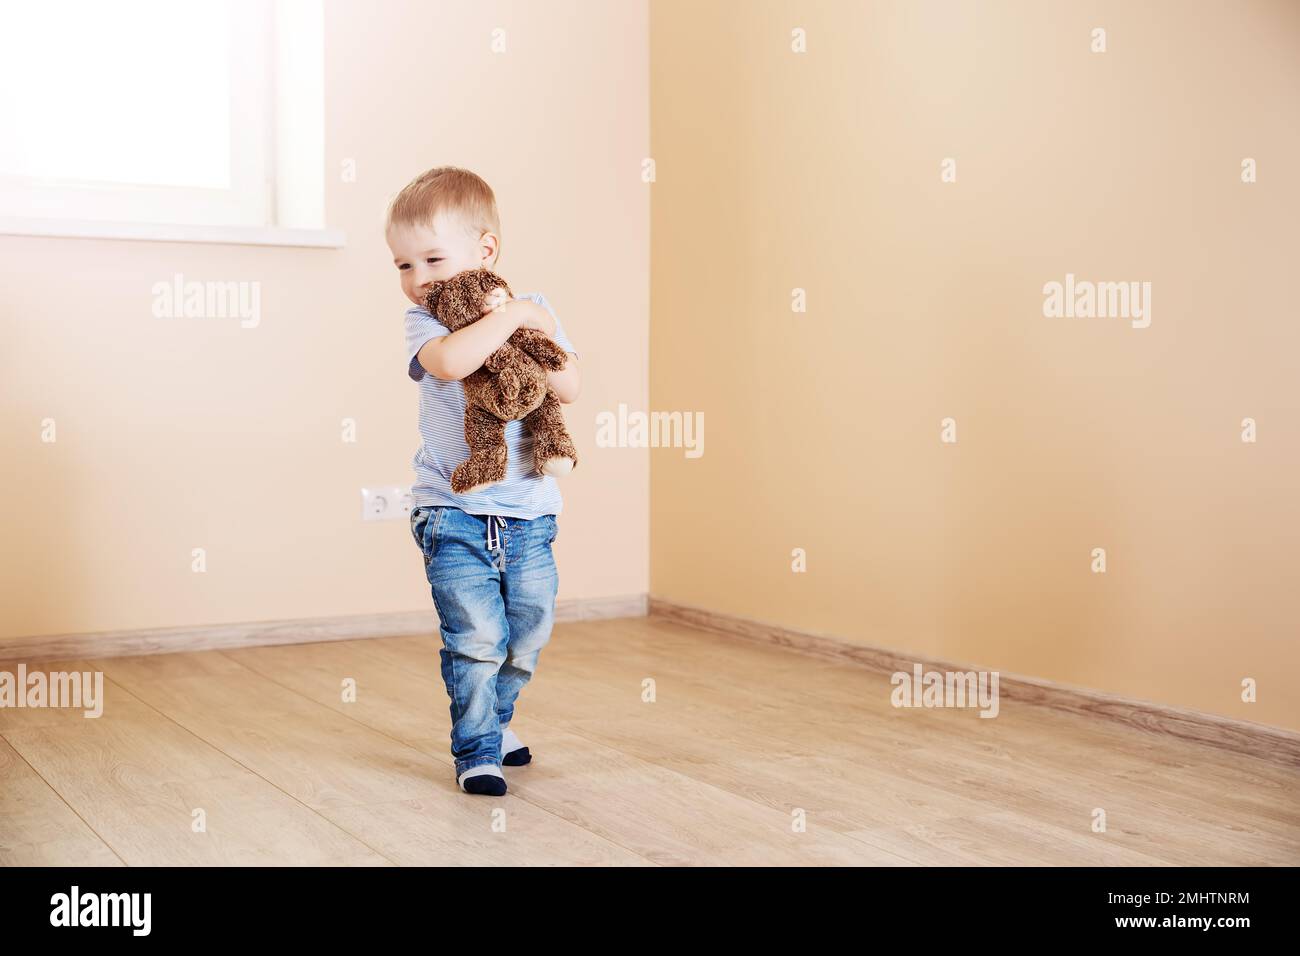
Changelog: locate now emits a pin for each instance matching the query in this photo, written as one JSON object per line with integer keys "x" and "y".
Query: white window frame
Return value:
{"x": 276, "y": 194}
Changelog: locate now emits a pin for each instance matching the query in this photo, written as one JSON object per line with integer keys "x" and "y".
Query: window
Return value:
{"x": 196, "y": 120}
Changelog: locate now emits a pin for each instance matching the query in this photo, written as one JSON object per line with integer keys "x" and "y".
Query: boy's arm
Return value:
{"x": 568, "y": 381}
{"x": 549, "y": 354}
{"x": 452, "y": 357}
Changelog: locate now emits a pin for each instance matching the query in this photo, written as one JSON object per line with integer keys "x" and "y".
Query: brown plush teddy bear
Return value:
{"x": 510, "y": 385}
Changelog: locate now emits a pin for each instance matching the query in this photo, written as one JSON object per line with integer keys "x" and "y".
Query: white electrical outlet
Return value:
{"x": 386, "y": 502}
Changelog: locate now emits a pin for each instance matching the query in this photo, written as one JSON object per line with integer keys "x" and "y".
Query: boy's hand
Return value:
{"x": 532, "y": 316}
{"x": 494, "y": 300}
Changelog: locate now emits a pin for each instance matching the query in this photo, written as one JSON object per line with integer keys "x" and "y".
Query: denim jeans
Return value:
{"x": 494, "y": 582}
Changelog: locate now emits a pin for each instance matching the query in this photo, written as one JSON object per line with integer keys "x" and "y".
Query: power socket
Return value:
{"x": 386, "y": 502}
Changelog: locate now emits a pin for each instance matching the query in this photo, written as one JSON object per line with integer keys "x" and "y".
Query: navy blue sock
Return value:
{"x": 517, "y": 758}
{"x": 486, "y": 784}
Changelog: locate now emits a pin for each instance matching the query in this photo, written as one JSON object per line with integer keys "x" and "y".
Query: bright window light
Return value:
{"x": 139, "y": 92}
{"x": 196, "y": 120}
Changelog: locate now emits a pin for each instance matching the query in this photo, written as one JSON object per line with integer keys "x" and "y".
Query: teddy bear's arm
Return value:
{"x": 502, "y": 357}
{"x": 542, "y": 347}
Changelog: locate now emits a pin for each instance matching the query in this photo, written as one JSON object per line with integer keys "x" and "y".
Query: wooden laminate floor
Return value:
{"x": 746, "y": 755}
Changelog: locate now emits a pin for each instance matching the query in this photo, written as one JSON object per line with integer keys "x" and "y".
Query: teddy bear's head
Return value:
{"x": 460, "y": 300}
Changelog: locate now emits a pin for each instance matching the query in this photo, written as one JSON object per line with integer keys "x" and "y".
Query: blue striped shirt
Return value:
{"x": 524, "y": 493}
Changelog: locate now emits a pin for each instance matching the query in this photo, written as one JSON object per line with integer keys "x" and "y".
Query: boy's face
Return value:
{"x": 425, "y": 254}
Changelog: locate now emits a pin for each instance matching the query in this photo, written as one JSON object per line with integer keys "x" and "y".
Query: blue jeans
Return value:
{"x": 494, "y": 582}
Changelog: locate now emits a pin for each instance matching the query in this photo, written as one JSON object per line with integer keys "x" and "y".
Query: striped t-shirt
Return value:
{"x": 524, "y": 493}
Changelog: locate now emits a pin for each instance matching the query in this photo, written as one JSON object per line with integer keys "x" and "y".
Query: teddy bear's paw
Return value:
{"x": 472, "y": 488}
{"x": 557, "y": 467}
{"x": 470, "y": 477}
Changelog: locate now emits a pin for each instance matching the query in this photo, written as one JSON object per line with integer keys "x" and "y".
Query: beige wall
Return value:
{"x": 822, "y": 171}
{"x": 177, "y": 434}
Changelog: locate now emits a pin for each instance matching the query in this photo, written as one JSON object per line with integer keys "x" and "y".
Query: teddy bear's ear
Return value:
{"x": 488, "y": 280}
{"x": 431, "y": 297}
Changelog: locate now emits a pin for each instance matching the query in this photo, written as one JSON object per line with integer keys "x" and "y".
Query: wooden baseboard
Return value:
{"x": 209, "y": 637}
{"x": 1274, "y": 744}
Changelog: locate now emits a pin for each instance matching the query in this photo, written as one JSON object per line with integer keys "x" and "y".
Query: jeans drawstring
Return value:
{"x": 493, "y": 536}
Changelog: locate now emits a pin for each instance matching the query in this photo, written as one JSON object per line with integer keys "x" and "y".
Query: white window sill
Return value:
{"x": 163, "y": 232}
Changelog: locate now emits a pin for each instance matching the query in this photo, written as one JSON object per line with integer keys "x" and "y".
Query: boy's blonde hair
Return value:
{"x": 450, "y": 190}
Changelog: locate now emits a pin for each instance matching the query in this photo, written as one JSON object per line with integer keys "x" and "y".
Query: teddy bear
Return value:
{"x": 510, "y": 385}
